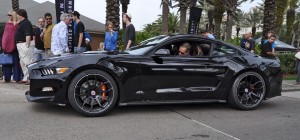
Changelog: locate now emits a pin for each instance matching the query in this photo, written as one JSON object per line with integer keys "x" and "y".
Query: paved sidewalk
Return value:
{"x": 288, "y": 85}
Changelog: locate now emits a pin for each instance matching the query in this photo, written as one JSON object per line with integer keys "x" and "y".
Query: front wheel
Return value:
{"x": 247, "y": 91}
{"x": 93, "y": 93}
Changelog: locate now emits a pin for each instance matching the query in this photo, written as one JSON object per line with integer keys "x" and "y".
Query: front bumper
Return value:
{"x": 56, "y": 96}
{"x": 275, "y": 86}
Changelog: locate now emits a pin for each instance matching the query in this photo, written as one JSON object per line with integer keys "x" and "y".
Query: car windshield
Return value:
{"x": 146, "y": 45}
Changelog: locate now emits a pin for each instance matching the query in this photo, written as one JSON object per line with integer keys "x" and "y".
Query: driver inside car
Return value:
{"x": 184, "y": 49}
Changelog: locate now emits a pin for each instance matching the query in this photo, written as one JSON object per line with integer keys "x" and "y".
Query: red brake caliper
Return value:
{"x": 103, "y": 88}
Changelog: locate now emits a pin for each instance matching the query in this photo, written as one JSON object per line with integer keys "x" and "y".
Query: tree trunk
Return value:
{"x": 113, "y": 13}
{"x": 15, "y": 5}
{"x": 210, "y": 14}
{"x": 124, "y": 9}
{"x": 182, "y": 23}
{"x": 229, "y": 25}
{"x": 290, "y": 19}
{"x": 193, "y": 3}
{"x": 269, "y": 17}
{"x": 218, "y": 15}
{"x": 253, "y": 31}
{"x": 165, "y": 14}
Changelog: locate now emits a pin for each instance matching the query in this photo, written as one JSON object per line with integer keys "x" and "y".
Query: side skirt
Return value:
{"x": 171, "y": 102}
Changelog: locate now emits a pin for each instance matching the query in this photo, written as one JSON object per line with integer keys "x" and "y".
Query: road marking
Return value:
{"x": 215, "y": 129}
{"x": 235, "y": 138}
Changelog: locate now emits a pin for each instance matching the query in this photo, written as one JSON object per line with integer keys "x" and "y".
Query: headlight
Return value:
{"x": 53, "y": 71}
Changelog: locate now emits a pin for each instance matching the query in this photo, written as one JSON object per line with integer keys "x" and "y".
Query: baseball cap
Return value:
{"x": 129, "y": 15}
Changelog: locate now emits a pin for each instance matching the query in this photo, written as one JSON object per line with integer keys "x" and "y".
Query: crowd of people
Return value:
{"x": 27, "y": 44}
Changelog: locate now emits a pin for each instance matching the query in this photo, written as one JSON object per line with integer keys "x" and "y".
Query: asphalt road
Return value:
{"x": 275, "y": 119}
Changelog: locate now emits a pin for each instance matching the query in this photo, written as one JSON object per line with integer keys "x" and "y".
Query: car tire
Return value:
{"x": 93, "y": 93}
{"x": 247, "y": 91}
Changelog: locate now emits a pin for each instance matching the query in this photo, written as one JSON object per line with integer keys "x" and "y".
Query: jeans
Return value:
{"x": 14, "y": 69}
{"x": 38, "y": 54}
{"x": 79, "y": 50}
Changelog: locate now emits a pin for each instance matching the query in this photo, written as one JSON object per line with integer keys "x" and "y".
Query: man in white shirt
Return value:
{"x": 59, "y": 39}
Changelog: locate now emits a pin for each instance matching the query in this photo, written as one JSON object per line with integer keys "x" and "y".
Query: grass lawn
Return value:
{"x": 289, "y": 77}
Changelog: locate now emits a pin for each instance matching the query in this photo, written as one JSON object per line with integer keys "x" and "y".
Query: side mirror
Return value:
{"x": 162, "y": 52}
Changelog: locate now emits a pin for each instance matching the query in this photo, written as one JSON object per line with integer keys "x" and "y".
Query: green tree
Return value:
{"x": 290, "y": 19}
{"x": 281, "y": 8}
{"x": 113, "y": 13}
{"x": 230, "y": 7}
{"x": 253, "y": 19}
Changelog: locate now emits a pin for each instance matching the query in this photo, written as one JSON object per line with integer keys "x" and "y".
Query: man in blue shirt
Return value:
{"x": 207, "y": 34}
{"x": 270, "y": 33}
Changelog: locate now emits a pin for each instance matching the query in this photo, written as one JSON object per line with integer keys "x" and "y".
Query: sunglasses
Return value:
{"x": 180, "y": 52}
{"x": 9, "y": 15}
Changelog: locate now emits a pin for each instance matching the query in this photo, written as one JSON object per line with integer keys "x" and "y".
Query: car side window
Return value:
{"x": 222, "y": 50}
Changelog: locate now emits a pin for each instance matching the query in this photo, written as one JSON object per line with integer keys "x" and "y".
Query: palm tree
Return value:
{"x": 296, "y": 37}
{"x": 239, "y": 20}
{"x": 125, "y": 4}
{"x": 253, "y": 19}
{"x": 218, "y": 17}
{"x": 231, "y": 8}
{"x": 183, "y": 6}
{"x": 290, "y": 19}
{"x": 269, "y": 17}
{"x": 281, "y": 8}
{"x": 15, "y": 5}
{"x": 165, "y": 13}
{"x": 208, "y": 7}
{"x": 155, "y": 27}
{"x": 113, "y": 13}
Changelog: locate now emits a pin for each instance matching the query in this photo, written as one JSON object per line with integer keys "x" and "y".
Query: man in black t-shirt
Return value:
{"x": 129, "y": 39}
{"x": 247, "y": 42}
{"x": 38, "y": 36}
{"x": 79, "y": 41}
{"x": 267, "y": 48}
{"x": 25, "y": 45}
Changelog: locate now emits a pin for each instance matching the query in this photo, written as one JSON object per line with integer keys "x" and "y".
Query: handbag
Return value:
{"x": 6, "y": 59}
{"x": 297, "y": 55}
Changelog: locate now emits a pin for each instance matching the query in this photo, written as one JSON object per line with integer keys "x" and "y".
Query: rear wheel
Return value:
{"x": 247, "y": 91}
{"x": 93, "y": 93}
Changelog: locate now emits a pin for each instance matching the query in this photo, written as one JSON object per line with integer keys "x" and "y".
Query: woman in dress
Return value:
{"x": 9, "y": 47}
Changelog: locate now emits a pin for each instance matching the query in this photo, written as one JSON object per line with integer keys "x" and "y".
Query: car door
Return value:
{"x": 168, "y": 77}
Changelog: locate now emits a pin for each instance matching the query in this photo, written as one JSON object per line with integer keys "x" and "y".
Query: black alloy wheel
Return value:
{"x": 93, "y": 93}
{"x": 248, "y": 90}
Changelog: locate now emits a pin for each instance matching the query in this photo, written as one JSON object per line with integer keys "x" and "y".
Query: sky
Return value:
{"x": 142, "y": 11}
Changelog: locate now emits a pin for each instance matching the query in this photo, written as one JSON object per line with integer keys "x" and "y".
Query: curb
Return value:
{"x": 290, "y": 90}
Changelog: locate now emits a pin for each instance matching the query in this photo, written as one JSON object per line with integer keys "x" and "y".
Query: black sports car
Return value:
{"x": 155, "y": 73}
